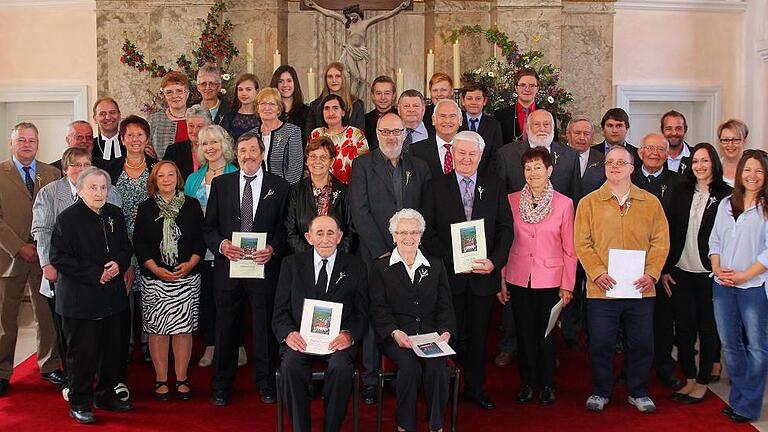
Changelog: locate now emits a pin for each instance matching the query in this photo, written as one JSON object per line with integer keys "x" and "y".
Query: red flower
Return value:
{"x": 349, "y": 133}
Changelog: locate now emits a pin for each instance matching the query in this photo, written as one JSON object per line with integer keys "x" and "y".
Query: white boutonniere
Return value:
{"x": 342, "y": 275}
{"x": 111, "y": 224}
{"x": 627, "y": 205}
{"x": 269, "y": 193}
{"x": 408, "y": 175}
{"x": 682, "y": 167}
{"x": 712, "y": 200}
{"x": 555, "y": 155}
{"x": 279, "y": 140}
{"x": 423, "y": 272}
{"x": 594, "y": 165}
{"x": 663, "y": 190}
{"x": 480, "y": 191}
{"x": 334, "y": 195}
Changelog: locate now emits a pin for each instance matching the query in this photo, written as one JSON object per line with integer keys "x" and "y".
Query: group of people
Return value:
{"x": 129, "y": 238}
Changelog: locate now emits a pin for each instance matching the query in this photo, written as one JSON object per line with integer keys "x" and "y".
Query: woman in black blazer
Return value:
{"x": 686, "y": 273}
{"x": 319, "y": 194}
{"x": 410, "y": 295}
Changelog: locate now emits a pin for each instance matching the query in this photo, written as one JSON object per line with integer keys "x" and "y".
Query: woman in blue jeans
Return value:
{"x": 739, "y": 254}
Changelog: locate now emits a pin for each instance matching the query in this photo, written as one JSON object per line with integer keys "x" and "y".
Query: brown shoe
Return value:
{"x": 503, "y": 359}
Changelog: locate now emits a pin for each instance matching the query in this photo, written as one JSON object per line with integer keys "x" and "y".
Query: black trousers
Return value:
{"x": 296, "y": 374}
{"x": 207, "y": 323}
{"x": 473, "y": 313}
{"x": 411, "y": 370}
{"x": 93, "y": 349}
{"x": 663, "y": 332}
{"x": 538, "y": 357}
{"x": 695, "y": 318}
{"x": 61, "y": 341}
{"x": 229, "y": 303}
{"x": 604, "y": 316}
{"x": 572, "y": 320}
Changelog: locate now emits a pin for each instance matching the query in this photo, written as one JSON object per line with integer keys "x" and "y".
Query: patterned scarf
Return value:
{"x": 534, "y": 210}
{"x": 169, "y": 246}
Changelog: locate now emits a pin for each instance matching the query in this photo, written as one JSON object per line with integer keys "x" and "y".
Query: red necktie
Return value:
{"x": 448, "y": 163}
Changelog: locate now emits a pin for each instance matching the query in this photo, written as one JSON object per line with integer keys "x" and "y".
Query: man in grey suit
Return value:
{"x": 383, "y": 182}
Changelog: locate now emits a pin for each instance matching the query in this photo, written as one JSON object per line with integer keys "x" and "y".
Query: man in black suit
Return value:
{"x": 107, "y": 145}
{"x": 411, "y": 108}
{"x": 436, "y": 150}
{"x": 474, "y": 99}
{"x": 615, "y": 125}
{"x": 249, "y": 200}
{"x": 674, "y": 127}
{"x": 79, "y": 134}
{"x": 466, "y": 194}
{"x": 656, "y": 178}
{"x": 383, "y": 97}
{"x": 328, "y": 274}
{"x": 513, "y": 118}
{"x": 209, "y": 86}
{"x": 383, "y": 182}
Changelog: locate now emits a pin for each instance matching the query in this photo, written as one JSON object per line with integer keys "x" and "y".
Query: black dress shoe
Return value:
{"x": 690, "y": 400}
{"x": 671, "y": 381}
{"x": 547, "y": 396}
{"x": 54, "y": 377}
{"x": 482, "y": 400}
{"x": 727, "y": 411}
{"x": 115, "y": 405}
{"x": 4, "y": 384}
{"x": 736, "y": 418}
{"x": 676, "y": 396}
{"x": 370, "y": 393}
{"x": 219, "y": 398}
{"x": 269, "y": 396}
{"x": 525, "y": 395}
{"x": 82, "y": 416}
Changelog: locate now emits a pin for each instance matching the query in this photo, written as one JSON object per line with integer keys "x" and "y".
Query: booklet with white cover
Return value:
{"x": 320, "y": 324}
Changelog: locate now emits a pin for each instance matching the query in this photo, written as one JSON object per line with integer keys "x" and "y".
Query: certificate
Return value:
{"x": 468, "y": 244}
{"x": 625, "y": 267}
{"x": 554, "y": 314}
{"x": 426, "y": 345}
{"x": 246, "y": 267}
{"x": 320, "y": 324}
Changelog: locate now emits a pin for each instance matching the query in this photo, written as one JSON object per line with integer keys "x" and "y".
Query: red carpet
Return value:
{"x": 35, "y": 405}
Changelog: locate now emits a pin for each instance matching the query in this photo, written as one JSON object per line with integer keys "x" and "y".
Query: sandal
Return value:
{"x": 187, "y": 395}
{"x": 162, "y": 396}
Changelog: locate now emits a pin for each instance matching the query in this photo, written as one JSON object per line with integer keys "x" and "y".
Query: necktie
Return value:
{"x": 246, "y": 206}
{"x": 650, "y": 178}
{"x": 526, "y": 111}
{"x": 74, "y": 198}
{"x": 467, "y": 197}
{"x": 448, "y": 162}
{"x": 322, "y": 278}
{"x": 28, "y": 180}
{"x": 473, "y": 124}
{"x": 408, "y": 139}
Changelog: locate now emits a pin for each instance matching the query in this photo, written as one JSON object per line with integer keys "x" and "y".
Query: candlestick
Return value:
{"x": 277, "y": 60}
{"x": 249, "y": 57}
{"x": 456, "y": 65}
{"x": 430, "y": 69}
{"x": 400, "y": 82}
{"x": 495, "y": 46}
{"x": 311, "y": 89}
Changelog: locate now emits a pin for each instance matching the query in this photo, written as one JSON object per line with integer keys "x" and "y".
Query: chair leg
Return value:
{"x": 356, "y": 400}
{"x": 279, "y": 402}
{"x": 380, "y": 401}
{"x": 455, "y": 402}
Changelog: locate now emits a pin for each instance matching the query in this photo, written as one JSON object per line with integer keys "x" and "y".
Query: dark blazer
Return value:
{"x": 510, "y": 126}
{"x": 314, "y": 119}
{"x": 372, "y": 198}
{"x": 222, "y": 218}
{"x": 566, "y": 172}
{"x": 685, "y": 162}
{"x": 661, "y": 187}
{"x": 426, "y": 150}
{"x": 148, "y": 233}
{"x": 181, "y": 154}
{"x": 678, "y": 217}
{"x": 115, "y": 167}
{"x": 632, "y": 149}
{"x": 371, "y": 118}
{"x": 224, "y": 108}
{"x": 98, "y": 148}
{"x": 422, "y": 306}
{"x": 428, "y": 111}
{"x": 81, "y": 244}
{"x": 490, "y": 129}
{"x": 301, "y": 211}
{"x": 443, "y": 207}
{"x": 594, "y": 174}
{"x": 299, "y": 118}
{"x": 347, "y": 284}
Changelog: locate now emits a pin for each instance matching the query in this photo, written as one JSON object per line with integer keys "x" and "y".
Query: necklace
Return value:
{"x": 173, "y": 116}
{"x": 216, "y": 171}
{"x": 128, "y": 164}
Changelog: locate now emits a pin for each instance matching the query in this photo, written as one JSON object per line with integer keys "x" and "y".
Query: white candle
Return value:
{"x": 495, "y": 47}
{"x": 430, "y": 69}
{"x": 311, "y": 89}
{"x": 249, "y": 57}
{"x": 456, "y": 65}
{"x": 277, "y": 60}
{"x": 400, "y": 82}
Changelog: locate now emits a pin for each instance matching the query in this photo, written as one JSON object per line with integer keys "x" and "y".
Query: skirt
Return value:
{"x": 170, "y": 308}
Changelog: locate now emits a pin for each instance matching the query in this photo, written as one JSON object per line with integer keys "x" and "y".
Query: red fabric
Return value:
{"x": 521, "y": 116}
{"x": 181, "y": 131}
{"x": 448, "y": 162}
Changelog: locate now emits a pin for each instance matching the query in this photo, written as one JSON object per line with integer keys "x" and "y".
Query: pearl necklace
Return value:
{"x": 128, "y": 164}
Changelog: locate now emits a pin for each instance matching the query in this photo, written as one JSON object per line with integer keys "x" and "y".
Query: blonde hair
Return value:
{"x": 346, "y": 94}
{"x": 274, "y": 94}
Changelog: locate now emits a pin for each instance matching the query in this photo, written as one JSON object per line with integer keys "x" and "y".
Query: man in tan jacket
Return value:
{"x": 21, "y": 177}
{"x": 620, "y": 215}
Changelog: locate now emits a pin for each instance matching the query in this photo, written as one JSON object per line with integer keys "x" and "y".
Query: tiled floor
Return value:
{"x": 26, "y": 345}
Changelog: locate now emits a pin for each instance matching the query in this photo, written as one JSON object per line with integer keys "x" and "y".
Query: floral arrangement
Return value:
{"x": 216, "y": 47}
{"x": 499, "y": 74}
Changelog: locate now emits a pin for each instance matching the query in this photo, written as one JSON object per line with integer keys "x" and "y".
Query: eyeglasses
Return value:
{"x": 314, "y": 158}
{"x": 655, "y": 149}
{"x": 621, "y": 163}
{"x": 528, "y": 86}
{"x": 267, "y": 104}
{"x": 727, "y": 141}
{"x": 177, "y": 92}
{"x": 208, "y": 84}
{"x": 390, "y": 132}
{"x": 408, "y": 233}
{"x": 80, "y": 165}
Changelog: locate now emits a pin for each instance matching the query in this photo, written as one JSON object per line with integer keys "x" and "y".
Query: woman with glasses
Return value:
{"x": 295, "y": 111}
{"x": 691, "y": 216}
{"x": 738, "y": 249}
{"x": 283, "y": 149}
{"x": 349, "y": 140}
{"x": 732, "y": 136}
{"x": 170, "y": 125}
{"x": 243, "y": 116}
{"x": 319, "y": 194}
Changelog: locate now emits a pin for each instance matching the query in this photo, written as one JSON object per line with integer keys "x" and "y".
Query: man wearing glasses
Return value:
{"x": 513, "y": 117}
{"x": 209, "y": 86}
{"x": 80, "y": 134}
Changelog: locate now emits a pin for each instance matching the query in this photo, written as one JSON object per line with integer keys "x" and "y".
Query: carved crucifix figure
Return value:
{"x": 355, "y": 52}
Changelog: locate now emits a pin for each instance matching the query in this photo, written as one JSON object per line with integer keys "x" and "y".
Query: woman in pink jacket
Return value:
{"x": 541, "y": 270}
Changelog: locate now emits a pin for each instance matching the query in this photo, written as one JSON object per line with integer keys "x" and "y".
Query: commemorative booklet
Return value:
{"x": 426, "y": 345}
{"x": 468, "y": 244}
{"x": 247, "y": 268}
{"x": 320, "y": 324}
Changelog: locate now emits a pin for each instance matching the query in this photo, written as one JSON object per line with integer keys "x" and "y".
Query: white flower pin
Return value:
{"x": 111, "y": 224}
{"x": 269, "y": 193}
{"x": 480, "y": 191}
{"x": 407, "y": 177}
{"x": 683, "y": 166}
{"x": 663, "y": 190}
{"x": 423, "y": 272}
{"x": 627, "y": 205}
{"x": 555, "y": 155}
{"x": 594, "y": 165}
{"x": 712, "y": 200}
{"x": 342, "y": 275}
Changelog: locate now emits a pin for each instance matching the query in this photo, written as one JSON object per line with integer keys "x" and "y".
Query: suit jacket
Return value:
{"x": 490, "y": 129}
{"x": 443, "y": 207}
{"x": 422, "y": 306}
{"x": 371, "y": 118}
{"x": 16, "y": 215}
{"x": 181, "y": 154}
{"x": 222, "y": 218}
{"x": 428, "y": 111}
{"x": 510, "y": 126}
{"x": 678, "y": 216}
{"x": 372, "y": 198}
{"x": 301, "y": 211}
{"x": 426, "y": 150}
{"x": 543, "y": 253}
{"x": 632, "y": 149}
{"x": 347, "y": 284}
{"x": 81, "y": 243}
{"x": 594, "y": 174}
{"x": 661, "y": 187}
{"x": 566, "y": 172}
{"x": 685, "y": 161}
{"x": 224, "y": 108}
{"x": 98, "y": 148}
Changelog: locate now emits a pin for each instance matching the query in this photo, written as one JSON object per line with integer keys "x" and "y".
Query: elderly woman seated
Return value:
{"x": 409, "y": 296}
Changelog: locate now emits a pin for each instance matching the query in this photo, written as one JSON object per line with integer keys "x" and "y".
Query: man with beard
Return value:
{"x": 436, "y": 150}
{"x": 674, "y": 127}
{"x": 384, "y": 181}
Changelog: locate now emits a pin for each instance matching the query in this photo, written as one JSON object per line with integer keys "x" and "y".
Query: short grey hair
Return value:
{"x": 91, "y": 171}
{"x": 655, "y": 135}
{"x": 210, "y": 69}
{"x": 71, "y": 126}
{"x": 213, "y": 133}
{"x": 579, "y": 118}
{"x": 23, "y": 125}
{"x": 528, "y": 119}
{"x": 406, "y": 213}
{"x": 447, "y": 101}
{"x": 472, "y": 137}
{"x": 198, "y": 110}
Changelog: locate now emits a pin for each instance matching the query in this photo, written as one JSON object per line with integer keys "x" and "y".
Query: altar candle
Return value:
{"x": 495, "y": 46}
{"x": 430, "y": 69}
{"x": 456, "y": 65}
{"x": 400, "y": 82}
{"x": 249, "y": 57}
{"x": 277, "y": 60}
{"x": 311, "y": 89}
